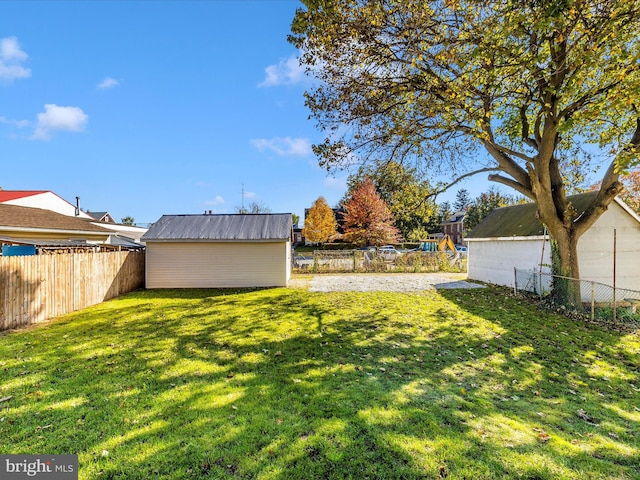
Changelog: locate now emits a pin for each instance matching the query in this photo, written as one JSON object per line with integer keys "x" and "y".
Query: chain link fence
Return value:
{"x": 321, "y": 261}
{"x": 598, "y": 300}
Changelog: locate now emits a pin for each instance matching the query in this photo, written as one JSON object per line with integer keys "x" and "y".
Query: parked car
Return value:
{"x": 302, "y": 261}
{"x": 389, "y": 252}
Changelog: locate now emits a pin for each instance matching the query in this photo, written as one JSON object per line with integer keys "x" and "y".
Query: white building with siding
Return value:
{"x": 43, "y": 199}
{"x": 219, "y": 251}
{"x": 513, "y": 238}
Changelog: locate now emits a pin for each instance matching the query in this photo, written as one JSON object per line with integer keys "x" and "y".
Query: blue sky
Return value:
{"x": 149, "y": 108}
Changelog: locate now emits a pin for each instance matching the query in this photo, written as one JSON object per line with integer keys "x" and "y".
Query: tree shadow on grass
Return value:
{"x": 287, "y": 384}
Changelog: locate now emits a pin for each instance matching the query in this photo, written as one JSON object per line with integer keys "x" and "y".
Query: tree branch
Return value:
{"x": 508, "y": 166}
{"x": 610, "y": 187}
{"x": 513, "y": 184}
{"x": 525, "y": 128}
{"x": 460, "y": 178}
{"x": 513, "y": 153}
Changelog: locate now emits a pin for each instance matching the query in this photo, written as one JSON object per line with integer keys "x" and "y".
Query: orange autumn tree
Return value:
{"x": 320, "y": 222}
{"x": 368, "y": 220}
{"x": 631, "y": 193}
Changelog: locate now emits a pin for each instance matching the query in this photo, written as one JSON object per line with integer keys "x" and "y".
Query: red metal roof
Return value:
{"x": 6, "y": 195}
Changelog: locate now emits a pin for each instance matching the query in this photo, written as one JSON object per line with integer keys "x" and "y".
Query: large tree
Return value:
{"x": 463, "y": 200}
{"x": 367, "y": 219}
{"x": 537, "y": 84}
{"x": 406, "y": 194}
{"x": 320, "y": 222}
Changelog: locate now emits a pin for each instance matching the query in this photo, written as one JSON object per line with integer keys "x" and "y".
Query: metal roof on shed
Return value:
{"x": 521, "y": 220}
{"x": 272, "y": 226}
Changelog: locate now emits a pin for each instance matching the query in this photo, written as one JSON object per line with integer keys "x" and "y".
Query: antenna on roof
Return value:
{"x": 77, "y": 206}
{"x": 242, "y": 201}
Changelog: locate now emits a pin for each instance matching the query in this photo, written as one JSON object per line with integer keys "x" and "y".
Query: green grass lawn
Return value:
{"x": 282, "y": 383}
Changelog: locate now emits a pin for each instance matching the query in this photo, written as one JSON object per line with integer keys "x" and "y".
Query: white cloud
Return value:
{"x": 287, "y": 71}
{"x": 10, "y": 50}
{"x": 17, "y": 123}
{"x": 249, "y": 194}
{"x": 108, "y": 82}
{"x": 286, "y": 146}
{"x": 11, "y": 58}
{"x": 216, "y": 201}
{"x": 56, "y": 118}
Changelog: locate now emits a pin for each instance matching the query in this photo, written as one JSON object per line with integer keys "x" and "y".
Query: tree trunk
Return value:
{"x": 566, "y": 290}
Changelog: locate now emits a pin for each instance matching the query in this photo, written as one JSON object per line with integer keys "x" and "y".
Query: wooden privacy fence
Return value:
{"x": 35, "y": 288}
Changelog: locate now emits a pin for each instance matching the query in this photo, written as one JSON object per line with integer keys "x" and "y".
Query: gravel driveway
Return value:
{"x": 387, "y": 282}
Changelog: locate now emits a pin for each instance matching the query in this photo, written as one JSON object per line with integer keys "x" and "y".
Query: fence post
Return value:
{"x": 614, "y": 276}
{"x": 593, "y": 302}
{"x": 515, "y": 281}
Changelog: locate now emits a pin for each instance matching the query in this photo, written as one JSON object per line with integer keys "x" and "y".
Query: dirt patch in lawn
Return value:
{"x": 385, "y": 282}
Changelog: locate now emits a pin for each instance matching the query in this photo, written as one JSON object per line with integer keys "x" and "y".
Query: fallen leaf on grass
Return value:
{"x": 5, "y": 399}
{"x": 583, "y": 415}
{"x": 543, "y": 437}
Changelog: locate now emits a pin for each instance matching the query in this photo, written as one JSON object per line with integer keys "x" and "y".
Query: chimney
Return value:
{"x": 77, "y": 206}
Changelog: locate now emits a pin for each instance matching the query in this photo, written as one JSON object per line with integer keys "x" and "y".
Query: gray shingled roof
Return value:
{"x": 272, "y": 226}
{"x": 521, "y": 220}
{"x": 97, "y": 215}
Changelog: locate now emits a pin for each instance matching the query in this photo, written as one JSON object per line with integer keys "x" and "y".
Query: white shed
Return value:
{"x": 513, "y": 238}
{"x": 219, "y": 251}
